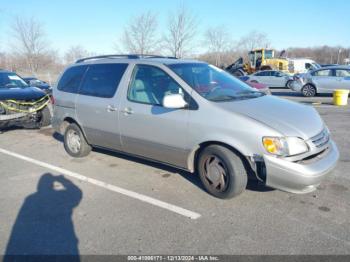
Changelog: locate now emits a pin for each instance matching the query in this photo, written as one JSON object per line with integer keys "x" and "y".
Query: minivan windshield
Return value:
{"x": 11, "y": 80}
{"x": 213, "y": 83}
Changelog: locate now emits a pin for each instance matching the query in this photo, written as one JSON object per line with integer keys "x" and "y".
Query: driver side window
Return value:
{"x": 150, "y": 84}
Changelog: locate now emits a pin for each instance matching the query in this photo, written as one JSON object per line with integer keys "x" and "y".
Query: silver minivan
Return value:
{"x": 193, "y": 116}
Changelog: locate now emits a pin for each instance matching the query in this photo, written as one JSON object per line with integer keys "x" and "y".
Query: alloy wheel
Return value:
{"x": 309, "y": 90}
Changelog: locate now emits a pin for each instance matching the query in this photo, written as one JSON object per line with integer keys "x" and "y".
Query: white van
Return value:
{"x": 302, "y": 65}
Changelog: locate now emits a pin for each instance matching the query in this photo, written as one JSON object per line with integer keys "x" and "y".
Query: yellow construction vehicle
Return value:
{"x": 259, "y": 59}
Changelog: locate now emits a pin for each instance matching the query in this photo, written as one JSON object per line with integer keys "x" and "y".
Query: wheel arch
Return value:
{"x": 65, "y": 123}
{"x": 193, "y": 156}
{"x": 287, "y": 82}
{"x": 70, "y": 120}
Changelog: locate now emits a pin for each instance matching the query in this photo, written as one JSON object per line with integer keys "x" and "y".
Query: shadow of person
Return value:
{"x": 44, "y": 223}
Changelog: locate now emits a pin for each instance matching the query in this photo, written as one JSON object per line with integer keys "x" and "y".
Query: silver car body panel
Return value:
{"x": 300, "y": 177}
{"x": 323, "y": 84}
{"x": 270, "y": 81}
{"x": 173, "y": 136}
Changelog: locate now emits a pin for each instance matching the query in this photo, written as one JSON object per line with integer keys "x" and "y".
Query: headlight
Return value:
{"x": 285, "y": 146}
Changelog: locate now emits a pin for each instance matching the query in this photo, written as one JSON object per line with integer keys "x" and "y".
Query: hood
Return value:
{"x": 42, "y": 86}
{"x": 26, "y": 93}
{"x": 287, "y": 117}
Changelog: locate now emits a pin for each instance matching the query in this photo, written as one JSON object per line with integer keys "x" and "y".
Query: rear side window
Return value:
{"x": 342, "y": 73}
{"x": 102, "y": 80}
{"x": 70, "y": 81}
{"x": 326, "y": 72}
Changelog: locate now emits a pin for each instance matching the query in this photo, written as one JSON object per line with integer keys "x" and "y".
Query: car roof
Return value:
{"x": 333, "y": 67}
{"x": 267, "y": 71}
{"x": 139, "y": 58}
{"x": 5, "y": 71}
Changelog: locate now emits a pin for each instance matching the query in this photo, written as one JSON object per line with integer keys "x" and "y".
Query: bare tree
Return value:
{"x": 254, "y": 40}
{"x": 29, "y": 41}
{"x": 140, "y": 35}
{"x": 74, "y": 53}
{"x": 182, "y": 27}
{"x": 218, "y": 41}
{"x": 321, "y": 54}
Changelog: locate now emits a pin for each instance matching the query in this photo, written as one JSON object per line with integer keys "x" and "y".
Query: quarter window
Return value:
{"x": 102, "y": 80}
{"x": 342, "y": 73}
{"x": 150, "y": 84}
{"x": 70, "y": 81}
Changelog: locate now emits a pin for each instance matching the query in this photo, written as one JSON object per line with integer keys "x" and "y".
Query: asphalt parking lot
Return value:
{"x": 114, "y": 204}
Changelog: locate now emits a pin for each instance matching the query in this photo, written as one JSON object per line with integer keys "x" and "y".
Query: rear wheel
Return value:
{"x": 222, "y": 172}
{"x": 309, "y": 90}
{"x": 75, "y": 143}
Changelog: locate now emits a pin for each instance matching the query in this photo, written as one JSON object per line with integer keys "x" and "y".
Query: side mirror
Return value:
{"x": 175, "y": 101}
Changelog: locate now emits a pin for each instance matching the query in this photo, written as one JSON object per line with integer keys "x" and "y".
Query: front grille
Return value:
{"x": 314, "y": 158}
{"x": 321, "y": 139}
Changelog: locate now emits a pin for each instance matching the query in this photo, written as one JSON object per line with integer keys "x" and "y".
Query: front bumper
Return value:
{"x": 303, "y": 176}
{"x": 296, "y": 86}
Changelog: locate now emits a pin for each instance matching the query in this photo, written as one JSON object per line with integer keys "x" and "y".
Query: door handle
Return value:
{"x": 111, "y": 108}
{"x": 127, "y": 111}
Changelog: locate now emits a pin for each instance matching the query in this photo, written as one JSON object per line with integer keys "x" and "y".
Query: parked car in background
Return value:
{"x": 193, "y": 116}
{"x": 260, "y": 87}
{"x": 323, "y": 80}
{"x": 21, "y": 104}
{"x": 270, "y": 78}
{"x": 33, "y": 81}
{"x": 301, "y": 65}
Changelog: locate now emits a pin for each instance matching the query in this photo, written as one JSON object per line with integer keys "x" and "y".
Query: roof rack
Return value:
{"x": 131, "y": 56}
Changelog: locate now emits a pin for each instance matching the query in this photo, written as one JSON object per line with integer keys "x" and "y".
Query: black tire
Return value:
{"x": 309, "y": 90}
{"x": 41, "y": 119}
{"x": 45, "y": 117}
{"x": 74, "y": 150}
{"x": 233, "y": 182}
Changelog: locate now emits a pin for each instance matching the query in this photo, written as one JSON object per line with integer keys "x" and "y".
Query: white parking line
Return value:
{"x": 147, "y": 199}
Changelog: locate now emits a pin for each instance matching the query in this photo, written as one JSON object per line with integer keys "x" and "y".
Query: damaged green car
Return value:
{"x": 22, "y": 105}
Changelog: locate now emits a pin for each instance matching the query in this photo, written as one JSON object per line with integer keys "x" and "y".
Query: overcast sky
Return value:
{"x": 97, "y": 24}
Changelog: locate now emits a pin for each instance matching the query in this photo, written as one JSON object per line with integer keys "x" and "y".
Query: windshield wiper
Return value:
{"x": 249, "y": 93}
{"x": 224, "y": 98}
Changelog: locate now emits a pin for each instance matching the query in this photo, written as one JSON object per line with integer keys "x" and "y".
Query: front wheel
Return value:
{"x": 44, "y": 117}
{"x": 75, "y": 143}
{"x": 222, "y": 172}
{"x": 308, "y": 90}
{"x": 289, "y": 84}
